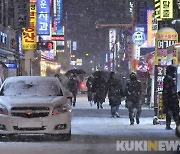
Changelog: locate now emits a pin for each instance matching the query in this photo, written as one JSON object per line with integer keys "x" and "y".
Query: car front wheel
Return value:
{"x": 67, "y": 136}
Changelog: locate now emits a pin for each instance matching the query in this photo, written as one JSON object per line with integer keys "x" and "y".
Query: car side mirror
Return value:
{"x": 68, "y": 95}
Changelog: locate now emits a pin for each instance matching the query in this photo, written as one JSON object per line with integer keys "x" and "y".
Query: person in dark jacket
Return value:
{"x": 115, "y": 92}
{"x": 89, "y": 84}
{"x": 73, "y": 87}
{"x": 99, "y": 89}
{"x": 170, "y": 96}
{"x": 133, "y": 95}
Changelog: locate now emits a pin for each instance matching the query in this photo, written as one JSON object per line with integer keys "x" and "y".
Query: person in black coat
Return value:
{"x": 133, "y": 95}
{"x": 115, "y": 92}
{"x": 73, "y": 87}
{"x": 170, "y": 96}
{"x": 99, "y": 89}
{"x": 89, "y": 84}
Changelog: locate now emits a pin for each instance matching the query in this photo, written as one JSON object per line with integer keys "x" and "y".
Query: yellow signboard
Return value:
{"x": 163, "y": 9}
{"x": 165, "y": 38}
{"x": 29, "y": 34}
{"x": 157, "y": 9}
{"x": 166, "y": 9}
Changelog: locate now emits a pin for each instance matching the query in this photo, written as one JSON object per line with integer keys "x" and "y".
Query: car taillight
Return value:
{"x": 83, "y": 85}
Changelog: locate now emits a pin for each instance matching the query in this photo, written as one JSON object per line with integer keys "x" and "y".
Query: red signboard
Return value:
{"x": 57, "y": 37}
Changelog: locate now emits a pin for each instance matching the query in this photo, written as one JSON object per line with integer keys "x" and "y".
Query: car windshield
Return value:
{"x": 31, "y": 88}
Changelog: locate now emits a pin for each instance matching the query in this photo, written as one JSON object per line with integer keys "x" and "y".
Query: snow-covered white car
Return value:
{"x": 35, "y": 105}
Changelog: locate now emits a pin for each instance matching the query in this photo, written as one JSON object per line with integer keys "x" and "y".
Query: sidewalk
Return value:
{"x": 82, "y": 102}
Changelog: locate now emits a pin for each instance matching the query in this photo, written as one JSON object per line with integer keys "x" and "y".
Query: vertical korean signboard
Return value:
{"x": 165, "y": 38}
{"x": 163, "y": 9}
{"x": 152, "y": 27}
{"x": 166, "y": 9}
{"x": 112, "y": 40}
{"x": 43, "y": 17}
{"x": 59, "y": 17}
{"x": 29, "y": 34}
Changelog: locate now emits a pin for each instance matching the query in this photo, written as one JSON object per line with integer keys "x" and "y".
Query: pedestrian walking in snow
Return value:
{"x": 73, "y": 87}
{"x": 89, "y": 84}
{"x": 99, "y": 89}
{"x": 170, "y": 96}
{"x": 133, "y": 95}
{"x": 115, "y": 92}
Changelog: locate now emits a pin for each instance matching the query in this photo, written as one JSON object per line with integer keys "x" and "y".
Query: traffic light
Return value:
{"x": 45, "y": 46}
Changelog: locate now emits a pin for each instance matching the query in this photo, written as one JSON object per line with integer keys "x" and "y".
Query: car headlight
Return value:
{"x": 3, "y": 110}
{"x": 59, "y": 109}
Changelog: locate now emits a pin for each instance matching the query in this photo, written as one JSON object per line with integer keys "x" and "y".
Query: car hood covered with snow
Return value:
{"x": 10, "y": 101}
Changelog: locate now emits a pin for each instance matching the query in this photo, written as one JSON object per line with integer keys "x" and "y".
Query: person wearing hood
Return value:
{"x": 170, "y": 96}
{"x": 133, "y": 95}
{"x": 115, "y": 92}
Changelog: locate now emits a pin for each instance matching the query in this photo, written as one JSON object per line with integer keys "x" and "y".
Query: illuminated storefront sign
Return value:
{"x": 59, "y": 16}
{"x": 131, "y": 8}
{"x": 11, "y": 65}
{"x": 138, "y": 38}
{"x": 78, "y": 62}
{"x": 157, "y": 9}
{"x": 4, "y": 37}
{"x": 159, "y": 73}
{"x": 166, "y": 9}
{"x": 163, "y": 9}
{"x": 165, "y": 38}
{"x": 19, "y": 44}
{"x": 152, "y": 27}
{"x": 54, "y": 22}
{"x": 43, "y": 19}
{"x": 112, "y": 38}
{"x": 29, "y": 34}
{"x": 48, "y": 54}
{"x": 58, "y": 37}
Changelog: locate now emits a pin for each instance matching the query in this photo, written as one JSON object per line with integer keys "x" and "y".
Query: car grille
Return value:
{"x": 30, "y": 112}
{"x": 29, "y": 129}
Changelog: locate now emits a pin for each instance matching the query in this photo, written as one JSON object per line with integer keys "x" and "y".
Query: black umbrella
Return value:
{"x": 104, "y": 74}
{"x": 75, "y": 72}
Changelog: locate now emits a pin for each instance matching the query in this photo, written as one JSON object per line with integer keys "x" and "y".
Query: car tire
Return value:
{"x": 60, "y": 137}
{"x": 67, "y": 136}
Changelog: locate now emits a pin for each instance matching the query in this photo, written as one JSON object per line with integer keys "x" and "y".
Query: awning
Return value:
{"x": 6, "y": 52}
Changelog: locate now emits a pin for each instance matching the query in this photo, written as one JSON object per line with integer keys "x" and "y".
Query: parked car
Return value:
{"x": 34, "y": 105}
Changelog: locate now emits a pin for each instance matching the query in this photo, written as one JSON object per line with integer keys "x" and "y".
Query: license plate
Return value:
{"x": 29, "y": 124}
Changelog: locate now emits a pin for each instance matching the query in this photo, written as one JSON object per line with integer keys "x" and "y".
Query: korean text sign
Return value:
{"x": 165, "y": 38}
{"x": 29, "y": 34}
{"x": 43, "y": 17}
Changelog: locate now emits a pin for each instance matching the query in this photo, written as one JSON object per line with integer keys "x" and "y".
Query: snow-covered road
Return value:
{"x": 93, "y": 131}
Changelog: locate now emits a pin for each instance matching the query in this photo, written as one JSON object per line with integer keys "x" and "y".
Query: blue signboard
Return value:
{"x": 11, "y": 65}
{"x": 43, "y": 17}
{"x": 59, "y": 17}
{"x": 19, "y": 44}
